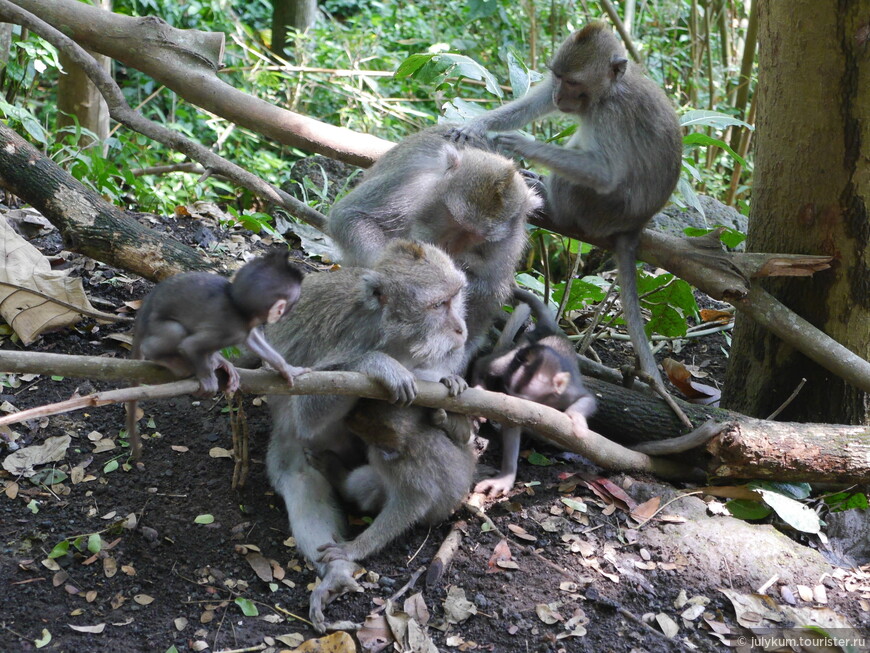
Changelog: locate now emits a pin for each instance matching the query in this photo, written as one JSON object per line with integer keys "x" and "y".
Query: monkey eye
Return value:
{"x": 443, "y": 302}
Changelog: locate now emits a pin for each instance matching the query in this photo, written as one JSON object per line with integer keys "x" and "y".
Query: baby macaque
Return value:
{"x": 542, "y": 368}
{"x": 416, "y": 472}
{"x": 618, "y": 169}
{"x": 187, "y": 319}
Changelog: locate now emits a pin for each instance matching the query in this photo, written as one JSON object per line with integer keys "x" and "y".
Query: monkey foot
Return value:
{"x": 290, "y": 373}
{"x": 336, "y": 551}
{"x": 233, "y": 378}
{"x": 496, "y": 486}
{"x": 337, "y": 580}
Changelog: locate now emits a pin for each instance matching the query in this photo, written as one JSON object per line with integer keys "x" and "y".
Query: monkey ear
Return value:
{"x": 454, "y": 157}
{"x": 617, "y": 67}
{"x": 561, "y": 381}
{"x": 373, "y": 290}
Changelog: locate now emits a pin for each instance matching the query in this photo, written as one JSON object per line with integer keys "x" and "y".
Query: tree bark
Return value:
{"x": 87, "y": 223}
{"x": 811, "y": 190}
{"x": 187, "y": 62}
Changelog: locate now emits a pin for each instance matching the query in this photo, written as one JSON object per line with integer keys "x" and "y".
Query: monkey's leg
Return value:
{"x": 504, "y": 482}
{"x": 401, "y": 511}
{"x": 315, "y": 519}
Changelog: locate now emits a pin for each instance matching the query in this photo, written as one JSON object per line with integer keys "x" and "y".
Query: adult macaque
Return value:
{"x": 187, "y": 319}
{"x": 416, "y": 472}
{"x": 398, "y": 321}
{"x": 542, "y": 368}
{"x": 469, "y": 201}
{"x": 618, "y": 169}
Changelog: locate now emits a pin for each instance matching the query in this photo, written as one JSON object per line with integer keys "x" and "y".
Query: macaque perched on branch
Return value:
{"x": 617, "y": 170}
{"x": 399, "y": 321}
{"x": 471, "y": 202}
{"x": 187, "y": 319}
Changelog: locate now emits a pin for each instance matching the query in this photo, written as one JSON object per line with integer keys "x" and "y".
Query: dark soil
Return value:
{"x": 193, "y": 573}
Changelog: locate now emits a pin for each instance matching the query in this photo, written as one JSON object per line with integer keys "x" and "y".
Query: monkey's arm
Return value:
{"x": 257, "y": 343}
{"x": 513, "y": 115}
{"x": 590, "y": 168}
{"x": 504, "y": 481}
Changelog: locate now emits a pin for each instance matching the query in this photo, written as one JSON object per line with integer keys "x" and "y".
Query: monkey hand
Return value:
{"x": 496, "y": 486}
{"x": 289, "y": 372}
{"x": 455, "y": 384}
{"x": 470, "y": 131}
{"x": 208, "y": 386}
{"x": 337, "y": 580}
{"x": 578, "y": 421}
{"x": 233, "y": 378}
{"x": 514, "y": 143}
{"x": 400, "y": 384}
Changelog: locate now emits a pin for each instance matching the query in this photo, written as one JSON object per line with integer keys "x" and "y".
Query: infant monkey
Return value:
{"x": 416, "y": 471}
{"x": 543, "y": 368}
{"x": 187, "y": 319}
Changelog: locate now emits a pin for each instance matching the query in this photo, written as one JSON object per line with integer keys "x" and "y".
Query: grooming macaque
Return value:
{"x": 415, "y": 473}
{"x": 398, "y": 321}
{"x": 471, "y": 202}
{"x": 542, "y": 368}
{"x": 187, "y": 319}
{"x": 617, "y": 170}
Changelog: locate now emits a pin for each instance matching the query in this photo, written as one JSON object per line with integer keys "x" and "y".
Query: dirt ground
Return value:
{"x": 580, "y": 571}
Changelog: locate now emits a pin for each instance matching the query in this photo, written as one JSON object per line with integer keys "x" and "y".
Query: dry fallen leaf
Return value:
{"x": 456, "y": 607}
{"x": 260, "y": 565}
{"x": 96, "y": 630}
{"x": 338, "y": 642}
{"x": 548, "y": 613}
{"x": 501, "y": 553}
{"x": 143, "y": 599}
{"x": 22, "y": 462}
{"x": 697, "y": 393}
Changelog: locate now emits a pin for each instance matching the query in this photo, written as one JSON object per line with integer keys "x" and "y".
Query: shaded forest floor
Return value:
{"x": 582, "y": 570}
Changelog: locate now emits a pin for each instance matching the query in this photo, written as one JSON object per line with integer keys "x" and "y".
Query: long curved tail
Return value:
{"x": 626, "y": 247}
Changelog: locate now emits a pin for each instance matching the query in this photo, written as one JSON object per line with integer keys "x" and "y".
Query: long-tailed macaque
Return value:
{"x": 187, "y": 319}
{"x": 617, "y": 170}
{"x": 542, "y": 367}
{"x": 471, "y": 202}
{"x": 416, "y": 472}
{"x": 400, "y": 320}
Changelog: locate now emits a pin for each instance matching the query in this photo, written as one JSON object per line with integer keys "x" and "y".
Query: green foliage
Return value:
{"x": 842, "y": 501}
{"x": 784, "y": 499}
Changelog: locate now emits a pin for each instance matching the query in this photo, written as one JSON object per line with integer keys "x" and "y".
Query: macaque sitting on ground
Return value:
{"x": 618, "y": 169}
{"x": 471, "y": 202}
{"x": 187, "y": 319}
{"x": 416, "y": 472}
{"x": 542, "y": 367}
{"x": 400, "y": 320}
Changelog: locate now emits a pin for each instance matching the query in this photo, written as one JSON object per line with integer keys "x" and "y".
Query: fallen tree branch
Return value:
{"x": 187, "y": 61}
{"x": 123, "y": 113}
{"x": 549, "y": 424}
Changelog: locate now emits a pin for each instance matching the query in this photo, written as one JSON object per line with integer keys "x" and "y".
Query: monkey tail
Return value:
{"x": 626, "y": 248}
{"x": 546, "y": 324}
{"x": 133, "y": 429}
{"x": 511, "y": 328}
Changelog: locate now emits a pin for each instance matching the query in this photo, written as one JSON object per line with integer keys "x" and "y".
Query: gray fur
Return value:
{"x": 621, "y": 165}
{"x": 471, "y": 202}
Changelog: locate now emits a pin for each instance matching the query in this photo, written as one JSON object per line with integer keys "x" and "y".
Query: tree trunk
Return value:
{"x": 298, "y": 14}
{"x": 812, "y": 183}
{"x": 88, "y": 223}
{"x": 79, "y": 101}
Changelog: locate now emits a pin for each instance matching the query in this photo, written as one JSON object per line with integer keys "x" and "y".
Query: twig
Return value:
{"x": 403, "y": 589}
{"x": 620, "y": 27}
{"x": 790, "y": 399}
{"x": 550, "y": 424}
{"x": 664, "y": 394}
{"x": 446, "y": 552}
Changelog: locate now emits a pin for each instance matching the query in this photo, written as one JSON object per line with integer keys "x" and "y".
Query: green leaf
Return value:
{"x": 464, "y": 66}
{"x": 795, "y": 491}
{"x": 715, "y": 119}
{"x": 33, "y": 506}
{"x": 95, "y": 543}
{"x": 794, "y": 513}
{"x": 573, "y": 504}
{"x": 204, "y": 519}
{"x": 745, "y": 509}
{"x": 110, "y": 467}
{"x": 412, "y": 64}
{"x": 60, "y": 549}
{"x": 172, "y": 649}
{"x": 519, "y": 75}
{"x": 538, "y": 459}
{"x": 247, "y": 606}
{"x": 702, "y": 139}
{"x": 48, "y": 477}
{"x": 731, "y": 237}
{"x": 666, "y": 321}
{"x": 847, "y": 501}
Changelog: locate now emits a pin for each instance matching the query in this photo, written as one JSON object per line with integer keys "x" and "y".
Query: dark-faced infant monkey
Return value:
{"x": 415, "y": 473}
{"x": 618, "y": 169}
{"x": 471, "y": 202}
{"x": 399, "y": 321}
{"x": 542, "y": 367}
{"x": 187, "y": 319}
